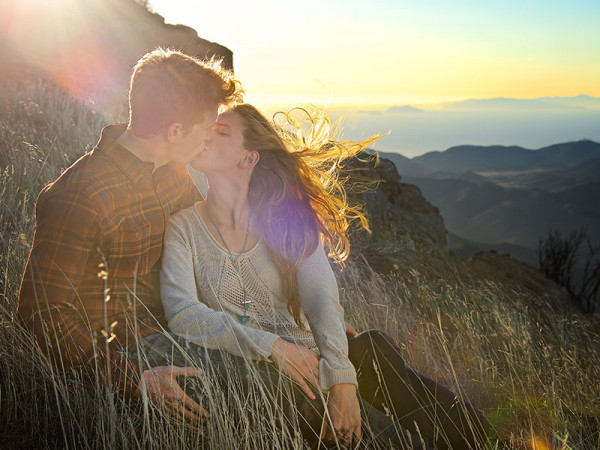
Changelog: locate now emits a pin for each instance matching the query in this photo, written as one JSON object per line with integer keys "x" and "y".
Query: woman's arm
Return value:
{"x": 192, "y": 319}
{"x": 320, "y": 302}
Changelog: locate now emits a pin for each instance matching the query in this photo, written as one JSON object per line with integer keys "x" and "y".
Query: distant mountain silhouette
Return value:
{"x": 523, "y": 104}
{"x": 406, "y": 166}
{"x": 404, "y": 109}
{"x": 582, "y": 100}
{"x": 464, "y": 249}
{"x": 464, "y": 158}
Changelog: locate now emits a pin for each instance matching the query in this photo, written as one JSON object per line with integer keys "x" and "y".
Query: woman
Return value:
{"x": 245, "y": 272}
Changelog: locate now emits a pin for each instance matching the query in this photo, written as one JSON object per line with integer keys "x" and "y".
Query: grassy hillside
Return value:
{"x": 532, "y": 370}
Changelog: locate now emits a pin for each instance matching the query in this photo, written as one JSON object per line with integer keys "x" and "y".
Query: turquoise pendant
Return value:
{"x": 245, "y": 318}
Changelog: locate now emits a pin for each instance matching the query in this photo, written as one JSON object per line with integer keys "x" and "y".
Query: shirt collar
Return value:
{"x": 126, "y": 161}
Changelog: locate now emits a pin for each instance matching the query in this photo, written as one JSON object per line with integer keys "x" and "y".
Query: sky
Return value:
{"x": 378, "y": 52}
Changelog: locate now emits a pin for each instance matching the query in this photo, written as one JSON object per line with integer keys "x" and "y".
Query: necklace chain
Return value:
{"x": 245, "y": 301}
{"x": 223, "y": 239}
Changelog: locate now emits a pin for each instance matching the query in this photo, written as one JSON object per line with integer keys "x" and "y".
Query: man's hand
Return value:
{"x": 160, "y": 385}
{"x": 344, "y": 412}
{"x": 297, "y": 362}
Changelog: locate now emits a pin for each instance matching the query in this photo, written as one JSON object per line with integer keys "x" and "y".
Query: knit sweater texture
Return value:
{"x": 203, "y": 288}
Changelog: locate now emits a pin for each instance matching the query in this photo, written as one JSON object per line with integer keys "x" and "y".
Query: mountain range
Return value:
{"x": 501, "y": 104}
{"x": 536, "y": 104}
{"x": 503, "y": 196}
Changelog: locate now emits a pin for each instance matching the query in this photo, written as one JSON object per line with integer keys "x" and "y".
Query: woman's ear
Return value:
{"x": 174, "y": 130}
{"x": 249, "y": 160}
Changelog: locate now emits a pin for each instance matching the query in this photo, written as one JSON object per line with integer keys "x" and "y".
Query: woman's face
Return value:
{"x": 223, "y": 146}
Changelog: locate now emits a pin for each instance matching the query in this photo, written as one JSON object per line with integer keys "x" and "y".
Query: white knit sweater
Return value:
{"x": 202, "y": 292}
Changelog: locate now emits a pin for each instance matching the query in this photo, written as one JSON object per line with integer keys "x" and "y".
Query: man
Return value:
{"x": 91, "y": 286}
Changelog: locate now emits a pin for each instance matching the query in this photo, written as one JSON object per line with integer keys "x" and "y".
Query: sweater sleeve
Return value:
{"x": 320, "y": 301}
{"x": 189, "y": 317}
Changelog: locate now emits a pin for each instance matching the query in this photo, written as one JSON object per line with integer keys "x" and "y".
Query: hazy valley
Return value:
{"x": 508, "y": 197}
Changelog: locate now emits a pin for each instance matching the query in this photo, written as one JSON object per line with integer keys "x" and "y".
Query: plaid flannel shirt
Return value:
{"x": 92, "y": 274}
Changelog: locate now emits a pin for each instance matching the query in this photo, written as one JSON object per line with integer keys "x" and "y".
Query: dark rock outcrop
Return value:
{"x": 397, "y": 212}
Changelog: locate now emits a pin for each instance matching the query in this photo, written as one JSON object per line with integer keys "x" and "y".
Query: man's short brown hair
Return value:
{"x": 168, "y": 86}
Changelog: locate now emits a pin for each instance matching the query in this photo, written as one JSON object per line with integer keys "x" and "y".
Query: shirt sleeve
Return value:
{"x": 67, "y": 232}
{"x": 319, "y": 296}
{"x": 189, "y": 317}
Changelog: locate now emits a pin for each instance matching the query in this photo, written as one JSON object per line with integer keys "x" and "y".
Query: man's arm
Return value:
{"x": 68, "y": 231}
{"x": 66, "y": 237}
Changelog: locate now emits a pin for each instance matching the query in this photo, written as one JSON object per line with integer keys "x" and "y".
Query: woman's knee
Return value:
{"x": 373, "y": 344}
{"x": 379, "y": 337}
{"x": 373, "y": 340}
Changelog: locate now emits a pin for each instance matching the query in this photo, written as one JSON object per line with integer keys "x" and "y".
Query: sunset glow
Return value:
{"x": 395, "y": 52}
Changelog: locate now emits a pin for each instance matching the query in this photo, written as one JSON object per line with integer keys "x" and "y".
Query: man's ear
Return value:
{"x": 250, "y": 160}
{"x": 174, "y": 131}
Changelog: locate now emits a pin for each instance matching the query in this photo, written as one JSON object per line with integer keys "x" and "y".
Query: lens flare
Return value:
{"x": 539, "y": 443}
{"x": 67, "y": 40}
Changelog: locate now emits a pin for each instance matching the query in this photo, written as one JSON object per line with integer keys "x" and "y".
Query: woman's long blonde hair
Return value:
{"x": 295, "y": 193}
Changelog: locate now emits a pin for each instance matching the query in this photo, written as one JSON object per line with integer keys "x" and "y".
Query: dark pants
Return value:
{"x": 391, "y": 394}
{"x": 415, "y": 401}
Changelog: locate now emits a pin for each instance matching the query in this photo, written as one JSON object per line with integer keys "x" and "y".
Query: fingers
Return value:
{"x": 305, "y": 388}
{"x": 299, "y": 363}
{"x": 344, "y": 424}
{"x": 347, "y": 436}
{"x": 310, "y": 367}
{"x": 358, "y": 432}
{"x": 186, "y": 371}
{"x": 350, "y": 331}
{"x": 177, "y": 409}
{"x": 183, "y": 402}
{"x": 160, "y": 383}
{"x": 190, "y": 405}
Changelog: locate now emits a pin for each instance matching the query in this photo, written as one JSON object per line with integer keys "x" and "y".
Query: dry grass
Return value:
{"x": 533, "y": 372}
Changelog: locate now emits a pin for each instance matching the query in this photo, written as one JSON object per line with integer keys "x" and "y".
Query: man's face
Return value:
{"x": 190, "y": 143}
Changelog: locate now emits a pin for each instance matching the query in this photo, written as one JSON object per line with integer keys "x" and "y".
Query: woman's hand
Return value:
{"x": 297, "y": 362}
{"x": 160, "y": 385}
{"x": 350, "y": 331}
{"x": 344, "y": 412}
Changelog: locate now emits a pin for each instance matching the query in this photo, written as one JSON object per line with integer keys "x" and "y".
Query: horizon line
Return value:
{"x": 357, "y": 101}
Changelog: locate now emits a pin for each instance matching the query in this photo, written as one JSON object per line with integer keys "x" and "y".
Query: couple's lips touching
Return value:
{"x": 202, "y": 150}
{"x": 197, "y": 155}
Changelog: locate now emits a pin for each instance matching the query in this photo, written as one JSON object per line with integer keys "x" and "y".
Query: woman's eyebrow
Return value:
{"x": 220, "y": 124}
